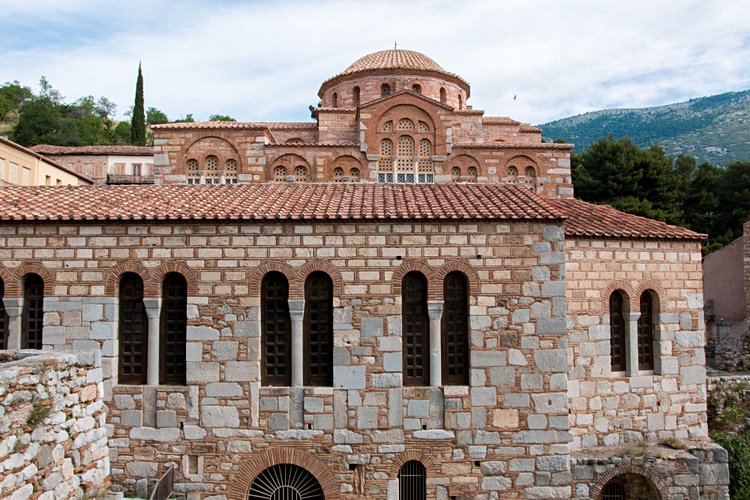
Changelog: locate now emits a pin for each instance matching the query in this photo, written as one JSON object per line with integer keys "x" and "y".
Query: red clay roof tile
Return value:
{"x": 603, "y": 221}
{"x": 276, "y": 202}
{"x": 46, "y": 149}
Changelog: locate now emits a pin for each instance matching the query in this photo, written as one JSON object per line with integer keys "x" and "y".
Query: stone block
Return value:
{"x": 202, "y": 372}
{"x": 367, "y": 417}
{"x": 241, "y": 371}
{"x": 371, "y": 327}
{"x": 392, "y": 362}
{"x": 223, "y": 390}
{"x": 551, "y": 360}
{"x": 487, "y": 358}
{"x": 166, "y": 418}
{"x": 418, "y": 408}
{"x": 349, "y": 377}
{"x": 483, "y": 396}
{"x": 385, "y": 380}
{"x": 220, "y": 416}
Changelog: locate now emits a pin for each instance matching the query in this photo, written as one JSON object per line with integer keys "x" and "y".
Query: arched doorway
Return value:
{"x": 285, "y": 482}
{"x": 630, "y": 486}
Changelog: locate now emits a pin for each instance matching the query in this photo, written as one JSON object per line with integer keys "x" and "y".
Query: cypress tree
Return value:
{"x": 138, "y": 121}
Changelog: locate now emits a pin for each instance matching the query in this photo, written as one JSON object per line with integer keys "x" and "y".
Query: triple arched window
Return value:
{"x": 212, "y": 171}
{"x": 620, "y": 331}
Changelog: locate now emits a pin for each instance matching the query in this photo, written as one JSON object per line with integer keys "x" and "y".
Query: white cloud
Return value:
{"x": 266, "y": 60}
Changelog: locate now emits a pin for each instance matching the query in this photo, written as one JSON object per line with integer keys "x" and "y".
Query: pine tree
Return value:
{"x": 138, "y": 121}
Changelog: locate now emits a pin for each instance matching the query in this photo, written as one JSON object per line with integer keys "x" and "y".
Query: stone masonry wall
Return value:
{"x": 53, "y": 438}
{"x": 506, "y": 432}
{"x": 611, "y": 408}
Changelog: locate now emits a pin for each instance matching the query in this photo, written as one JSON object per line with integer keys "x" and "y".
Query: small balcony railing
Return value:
{"x": 129, "y": 179}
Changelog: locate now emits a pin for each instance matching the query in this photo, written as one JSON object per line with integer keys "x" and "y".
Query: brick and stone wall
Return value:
{"x": 500, "y": 432}
{"x": 611, "y": 408}
{"x": 53, "y": 437}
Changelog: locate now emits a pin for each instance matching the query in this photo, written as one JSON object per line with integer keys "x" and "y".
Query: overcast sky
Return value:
{"x": 265, "y": 61}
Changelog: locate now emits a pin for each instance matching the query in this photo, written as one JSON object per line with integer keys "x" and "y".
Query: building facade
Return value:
{"x": 20, "y": 166}
{"x": 379, "y": 325}
{"x": 104, "y": 164}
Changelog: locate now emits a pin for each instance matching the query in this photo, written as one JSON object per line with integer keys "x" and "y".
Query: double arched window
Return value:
{"x": 277, "y": 332}
{"x": 32, "y": 321}
{"x": 619, "y": 329}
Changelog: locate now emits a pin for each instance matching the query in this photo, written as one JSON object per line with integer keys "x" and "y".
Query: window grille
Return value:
{"x": 318, "y": 330}
{"x": 613, "y": 491}
{"x": 4, "y": 320}
{"x": 388, "y": 126}
{"x": 212, "y": 165}
{"x": 279, "y": 174}
{"x": 512, "y": 174}
{"x": 472, "y": 174}
{"x": 133, "y": 331}
{"x": 423, "y": 127}
{"x": 617, "y": 331}
{"x": 172, "y": 331}
{"x": 405, "y": 154}
{"x": 285, "y": 482}
{"x": 385, "y": 163}
{"x": 277, "y": 336}
{"x": 405, "y": 124}
{"x": 33, "y": 312}
{"x": 416, "y": 329}
{"x": 455, "y": 330}
{"x": 338, "y": 173}
{"x": 300, "y": 174}
{"x": 646, "y": 333}
{"x": 355, "y": 93}
{"x": 412, "y": 481}
{"x": 354, "y": 175}
{"x": 455, "y": 174}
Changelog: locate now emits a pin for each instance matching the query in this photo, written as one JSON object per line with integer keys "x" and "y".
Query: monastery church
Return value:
{"x": 399, "y": 300}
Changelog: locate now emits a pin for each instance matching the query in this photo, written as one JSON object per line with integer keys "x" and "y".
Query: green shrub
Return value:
{"x": 738, "y": 448}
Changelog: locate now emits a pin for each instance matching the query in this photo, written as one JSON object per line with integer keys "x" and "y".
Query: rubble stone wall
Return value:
{"x": 53, "y": 437}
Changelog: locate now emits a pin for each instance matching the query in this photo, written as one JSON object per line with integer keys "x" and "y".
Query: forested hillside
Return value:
{"x": 713, "y": 129}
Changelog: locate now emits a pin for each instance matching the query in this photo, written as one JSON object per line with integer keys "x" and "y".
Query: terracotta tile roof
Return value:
{"x": 391, "y": 59}
{"x": 603, "y": 221}
{"x": 276, "y": 202}
{"x": 525, "y": 127}
{"x": 512, "y": 145}
{"x": 499, "y": 120}
{"x": 46, "y": 149}
{"x": 238, "y": 125}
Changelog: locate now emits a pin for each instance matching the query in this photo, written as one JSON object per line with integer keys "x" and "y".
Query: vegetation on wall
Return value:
{"x": 728, "y": 420}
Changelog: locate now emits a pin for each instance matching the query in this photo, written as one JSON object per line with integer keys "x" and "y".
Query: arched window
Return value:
{"x": 455, "y": 330}
{"x": 338, "y": 173}
{"x": 276, "y": 330}
{"x": 460, "y": 102}
{"x": 133, "y": 331}
{"x": 285, "y": 482}
{"x": 426, "y": 169}
{"x": 618, "y": 330}
{"x": 417, "y": 88}
{"x": 443, "y": 96}
{"x": 385, "y": 90}
{"x": 646, "y": 324}
{"x": 318, "y": 330}
{"x": 193, "y": 176}
{"x": 388, "y": 126}
{"x": 355, "y": 93}
{"x": 33, "y": 312}
{"x": 415, "y": 330}
{"x": 335, "y": 103}
{"x": 455, "y": 174}
{"x": 212, "y": 170}
{"x": 512, "y": 174}
{"x": 423, "y": 127}
{"x": 172, "y": 330}
{"x": 472, "y": 174}
{"x": 300, "y": 174}
{"x": 230, "y": 172}
{"x": 412, "y": 481}
{"x": 405, "y": 124}
{"x": 4, "y": 320}
{"x": 385, "y": 163}
{"x": 354, "y": 175}
{"x": 279, "y": 174}
{"x": 405, "y": 158}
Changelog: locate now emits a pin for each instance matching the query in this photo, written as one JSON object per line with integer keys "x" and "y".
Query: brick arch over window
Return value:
{"x": 7, "y": 278}
{"x": 619, "y": 285}
{"x": 655, "y": 288}
{"x": 464, "y": 162}
{"x": 415, "y": 455}
{"x": 297, "y": 286}
{"x": 449, "y": 267}
{"x": 258, "y": 462}
{"x": 289, "y": 161}
{"x": 346, "y": 163}
{"x": 419, "y": 266}
{"x": 609, "y": 474}
{"x": 14, "y": 284}
{"x": 255, "y": 275}
{"x": 210, "y": 145}
{"x": 112, "y": 281}
{"x": 404, "y": 106}
{"x": 152, "y": 288}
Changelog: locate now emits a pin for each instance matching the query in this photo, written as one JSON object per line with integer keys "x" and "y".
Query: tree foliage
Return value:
{"x": 221, "y": 118}
{"x": 155, "y": 116}
{"x": 12, "y": 96}
{"x": 138, "y": 120}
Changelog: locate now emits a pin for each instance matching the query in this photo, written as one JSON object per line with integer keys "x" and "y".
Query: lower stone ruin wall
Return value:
{"x": 53, "y": 437}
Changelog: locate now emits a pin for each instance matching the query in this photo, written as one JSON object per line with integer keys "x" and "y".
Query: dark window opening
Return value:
{"x": 455, "y": 330}
{"x": 412, "y": 481}
{"x": 613, "y": 491}
{"x": 173, "y": 330}
{"x": 133, "y": 331}
{"x": 417, "y": 88}
{"x": 617, "y": 331}
{"x": 443, "y": 96}
{"x": 33, "y": 312}
{"x": 285, "y": 482}
{"x": 318, "y": 330}
{"x": 355, "y": 93}
{"x": 385, "y": 90}
{"x": 416, "y": 330}
{"x": 335, "y": 103}
{"x": 646, "y": 333}
{"x": 277, "y": 324}
{"x": 4, "y": 319}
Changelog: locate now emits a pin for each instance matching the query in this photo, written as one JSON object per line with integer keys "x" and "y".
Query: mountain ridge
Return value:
{"x": 714, "y": 128}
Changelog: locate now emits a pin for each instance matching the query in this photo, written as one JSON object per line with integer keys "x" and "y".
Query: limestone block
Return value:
{"x": 371, "y": 327}
{"x": 241, "y": 371}
{"x": 505, "y": 418}
{"x": 202, "y": 372}
{"x": 349, "y": 377}
{"x": 220, "y": 416}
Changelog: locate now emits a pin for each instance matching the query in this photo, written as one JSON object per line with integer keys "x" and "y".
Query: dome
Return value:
{"x": 394, "y": 59}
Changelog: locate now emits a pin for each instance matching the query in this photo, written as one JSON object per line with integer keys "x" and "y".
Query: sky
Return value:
{"x": 534, "y": 61}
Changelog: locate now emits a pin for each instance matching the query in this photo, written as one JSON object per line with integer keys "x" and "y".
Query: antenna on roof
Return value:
{"x": 395, "y": 45}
